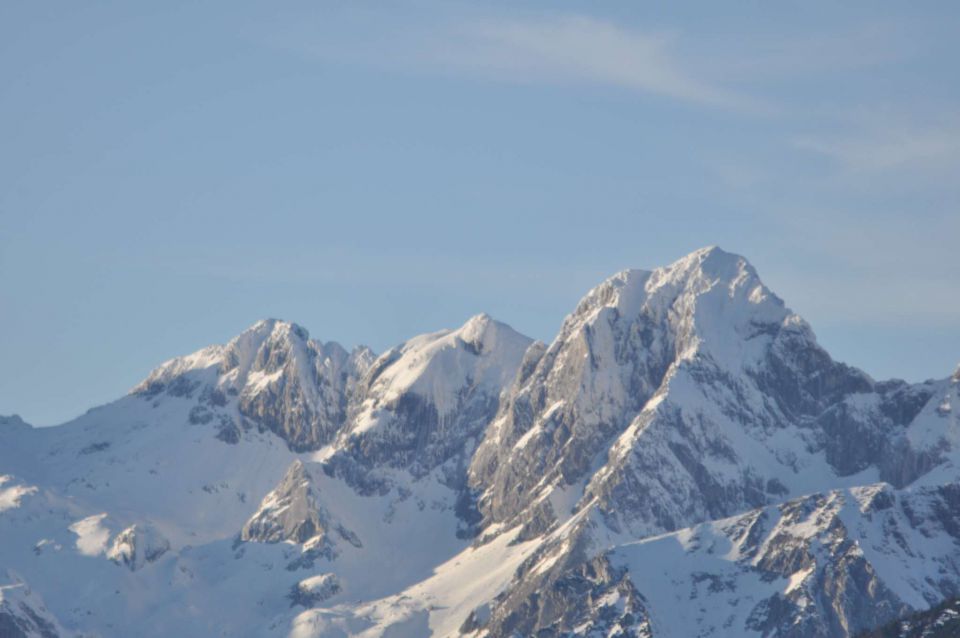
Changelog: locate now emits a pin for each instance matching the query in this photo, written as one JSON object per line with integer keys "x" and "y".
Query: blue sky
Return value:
{"x": 172, "y": 173}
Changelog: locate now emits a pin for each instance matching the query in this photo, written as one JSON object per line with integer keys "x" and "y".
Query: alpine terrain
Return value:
{"x": 682, "y": 460}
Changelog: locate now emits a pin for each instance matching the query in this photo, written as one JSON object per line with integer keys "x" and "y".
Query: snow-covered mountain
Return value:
{"x": 942, "y": 621}
{"x": 682, "y": 460}
{"x": 283, "y": 380}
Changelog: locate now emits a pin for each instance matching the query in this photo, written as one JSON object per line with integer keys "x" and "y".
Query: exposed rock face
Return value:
{"x": 823, "y": 565}
{"x": 624, "y": 344}
{"x": 138, "y": 545}
{"x": 316, "y": 589}
{"x": 23, "y": 614}
{"x": 289, "y": 513}
{"x": 682, "y": 460}
{"x": 575, "y": 594}
{"x": 297, "y": 387}
{"x": 292, "y": 513}
{"x": 425, "y": 403}
{"x": 682, "y": 383}
{"x": 942, "y": 621}
{"x": 690, "y": 394}
{"x": 415, "y": 407}
{"x": 275, "y": 376}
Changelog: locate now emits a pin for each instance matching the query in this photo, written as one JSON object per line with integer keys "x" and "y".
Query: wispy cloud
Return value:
{"x": 581, "y": 49}
{"x": 569, "y": 49}
{"x": 882, "y": 144}
{"x": 765, "y": 56}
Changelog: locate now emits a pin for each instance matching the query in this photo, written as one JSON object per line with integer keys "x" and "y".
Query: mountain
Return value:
{"x": 275, "y": 375}
{"x": 23, "y": 614}
{"x": 942, "y": 621}
{"x": 425, "y": 403}
{"x": 683, "y": 459}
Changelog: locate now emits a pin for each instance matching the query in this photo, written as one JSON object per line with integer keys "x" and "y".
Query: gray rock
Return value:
{"x": 137, "y": 546}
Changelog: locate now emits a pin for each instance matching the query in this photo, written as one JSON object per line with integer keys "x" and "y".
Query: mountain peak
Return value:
{"x": 482, "y": 333}
{"x": 708, "y": 287}
{"x": 244, "y": 351}
{"x": 476, "y": 327}
{"x": 683, "y": 443}
{"x": 481, "y": 320}
{"x": 275, "y": 374}
{"x": 276, "y": 330}
{"x": 436, "y": 364}
{"x": 14, "y": 421}
{"x": 704, "y": 266}
{"x": 426, "y": 398}
{"x": 713, "y": 254}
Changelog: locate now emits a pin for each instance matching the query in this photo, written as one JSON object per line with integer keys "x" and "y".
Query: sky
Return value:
{"x": 172, "y": 172}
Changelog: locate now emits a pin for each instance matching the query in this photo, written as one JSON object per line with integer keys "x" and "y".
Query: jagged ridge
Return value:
{"x": 473, "y": 482}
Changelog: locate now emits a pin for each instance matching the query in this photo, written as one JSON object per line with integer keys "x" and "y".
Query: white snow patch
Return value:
{"x": 797, "y": 578}
{"x": 92, "y": 536}
{"x": 10, "y": 497}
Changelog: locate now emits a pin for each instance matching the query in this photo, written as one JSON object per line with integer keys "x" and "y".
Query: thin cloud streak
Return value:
{"x": 884, "y": 146}
{"x": 581, "y": 49}
{"x": 569, "y": 49}
{"x": 763, "y": 57}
